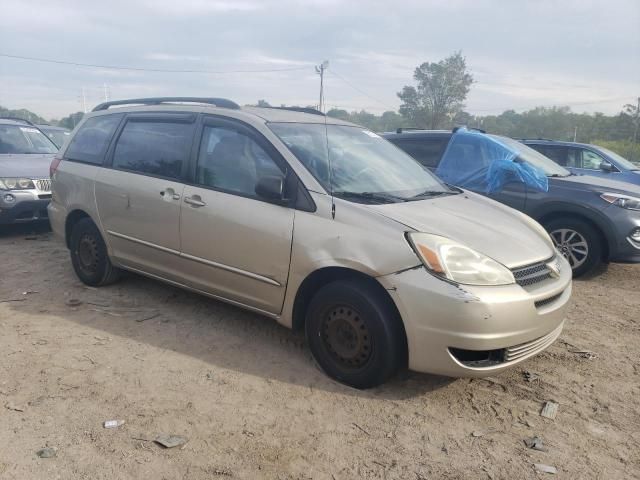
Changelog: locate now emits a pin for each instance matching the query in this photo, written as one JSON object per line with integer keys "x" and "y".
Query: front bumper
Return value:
{"x": 27, "y": 207}
{"x": 467, "y": 331}
{"x": 624, "y": 249}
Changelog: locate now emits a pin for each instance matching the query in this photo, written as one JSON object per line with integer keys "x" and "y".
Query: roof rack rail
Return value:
{"x": 408, "y": 129}
{"x": 18, "y": 119}
{"x": 218, "y": 102}
{"x": 312, "y": 111}
{"x": 455, "y": 129}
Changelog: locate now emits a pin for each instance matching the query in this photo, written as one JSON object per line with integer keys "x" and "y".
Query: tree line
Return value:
{"x": 436, "y": 101}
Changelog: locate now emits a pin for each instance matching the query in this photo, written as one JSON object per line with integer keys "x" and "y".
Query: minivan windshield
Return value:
{"x": 531, "y": 156}
{"x": 19, "y": 139}
{"x": 358, "y": 165}
{"x": 620, "y": 160}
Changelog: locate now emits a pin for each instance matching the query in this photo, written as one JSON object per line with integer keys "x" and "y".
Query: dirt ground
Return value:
{"x": 247, "y": 395}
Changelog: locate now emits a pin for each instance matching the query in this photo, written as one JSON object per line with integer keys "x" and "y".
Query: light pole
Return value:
{"x": 320, "y": 71}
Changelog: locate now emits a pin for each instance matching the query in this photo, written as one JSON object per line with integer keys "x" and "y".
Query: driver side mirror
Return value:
{"x": 607, "y": 167}
{"x": 271, "y": 187}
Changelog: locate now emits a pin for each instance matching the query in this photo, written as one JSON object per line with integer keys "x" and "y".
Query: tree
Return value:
{"x": 71, "y": 121}
{"x": 634, "y": 112}
{"x": 440, "y": 92}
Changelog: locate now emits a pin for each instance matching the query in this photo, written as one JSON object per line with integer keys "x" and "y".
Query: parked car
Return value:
{"x": 25, "y": 156}
{"x": 587, "y": 159}
{"x": 58, "y": 135}
{"x": 590, "y": 219}
{"x": 315, "y": 222}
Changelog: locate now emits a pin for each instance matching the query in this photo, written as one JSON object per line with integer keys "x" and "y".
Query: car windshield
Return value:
{"x": 531, "y": 156}
{"x": 20, "y": 139}
{"x": 357, "y": 164}
{"x": 57, "y": 136}
{"x": 621, "y": 161}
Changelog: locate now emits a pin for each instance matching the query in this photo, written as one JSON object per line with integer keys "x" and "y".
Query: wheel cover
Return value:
{"x": 88, "y": 254}
{"x": 573, "y": 246}
{"x": 345, "y": 337}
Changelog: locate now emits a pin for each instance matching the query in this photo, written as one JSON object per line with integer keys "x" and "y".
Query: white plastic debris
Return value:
{"x": 113, "y": 423}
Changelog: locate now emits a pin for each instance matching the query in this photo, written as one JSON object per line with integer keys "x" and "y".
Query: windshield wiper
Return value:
{"x": 378, "y": 197}
{"x": 557, "y": 175}
{"x": 431, "y": 193}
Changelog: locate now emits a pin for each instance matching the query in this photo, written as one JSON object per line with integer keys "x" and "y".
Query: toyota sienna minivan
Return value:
{"x": 315, "y": 222}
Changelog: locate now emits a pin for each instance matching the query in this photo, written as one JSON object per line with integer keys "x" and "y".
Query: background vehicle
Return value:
{"x": 386, "y": 264}
{"x": 590, "y": 219}
{"x": 58, "y": 135}
{"x": 587, "y": 159}
{"x": 25, "y": 156}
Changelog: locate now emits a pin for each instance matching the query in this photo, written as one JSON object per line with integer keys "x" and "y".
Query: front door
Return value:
{"x": 238, "y": 244}
{"x": 139, "y": 193}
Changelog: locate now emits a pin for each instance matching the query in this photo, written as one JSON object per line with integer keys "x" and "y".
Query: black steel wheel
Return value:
{"x": 355, "y": 333}
{"x": 89, "y": 255}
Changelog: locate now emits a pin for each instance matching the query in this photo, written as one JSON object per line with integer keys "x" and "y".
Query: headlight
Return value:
{"x": 16, "y": 184}
{"x": 624, "y": 201}
{"x": 458, "y": 263}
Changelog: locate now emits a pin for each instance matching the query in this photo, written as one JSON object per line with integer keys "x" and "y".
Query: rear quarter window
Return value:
{"x": 90, "y": 142}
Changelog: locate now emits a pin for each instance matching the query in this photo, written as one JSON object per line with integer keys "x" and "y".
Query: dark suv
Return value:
{"x": 587, "y": 159}
{"x": 590, "y": 219}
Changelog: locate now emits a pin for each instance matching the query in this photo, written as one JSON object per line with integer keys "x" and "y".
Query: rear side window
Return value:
{"x": 90, "y": 142}
{"x": 154, "y": 148}
{"x": 426, "y": 151}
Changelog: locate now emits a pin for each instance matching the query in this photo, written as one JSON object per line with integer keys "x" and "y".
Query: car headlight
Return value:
{"x": 16, "y": 184}
{"x": 458, "y": 263}
{"x": 624, "y": 201}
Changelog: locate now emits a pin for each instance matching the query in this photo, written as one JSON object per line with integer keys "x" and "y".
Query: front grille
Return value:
{"x": 44, "y": 185}
{"x": 516, "y": 352}
{"x": 532, "y": 274}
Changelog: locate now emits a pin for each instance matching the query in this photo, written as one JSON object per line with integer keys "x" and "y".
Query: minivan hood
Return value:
{"x": 596, "y": 184}
{"x": 25, "y": 165}
{"x": 480, "y": 223}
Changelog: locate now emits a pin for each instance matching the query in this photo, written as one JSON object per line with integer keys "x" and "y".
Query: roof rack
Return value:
{"x": 310, "y": 110}
{"x": 408, "y": 129}
{"x": 539, "y": 138}
{"x": 455, "y": 129}
{"x": 18, "y": 119}
{"x": 218, "y": 102}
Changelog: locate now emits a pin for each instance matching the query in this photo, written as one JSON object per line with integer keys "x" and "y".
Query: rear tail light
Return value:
{"x": 54, "y": 165}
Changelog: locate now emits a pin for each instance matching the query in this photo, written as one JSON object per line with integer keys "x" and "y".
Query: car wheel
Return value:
{"x": 354, "y": 333}
{"x": 579, "y": 242}
{"x": 89, "y": 255}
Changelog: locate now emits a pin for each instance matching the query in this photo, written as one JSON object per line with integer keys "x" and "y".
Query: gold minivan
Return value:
{"x": 315, "y": 222}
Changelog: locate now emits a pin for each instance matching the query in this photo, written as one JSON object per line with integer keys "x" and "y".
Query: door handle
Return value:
{"x": 194, "y": 201}
{"x": 170, "y": 194}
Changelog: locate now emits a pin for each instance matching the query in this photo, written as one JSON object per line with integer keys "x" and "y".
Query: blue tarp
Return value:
{"x": 480, "y": 162}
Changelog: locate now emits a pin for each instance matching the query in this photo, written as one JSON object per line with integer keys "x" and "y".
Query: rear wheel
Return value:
{"x": 579, "y": 242}
{"x": 89, "y": 255}
{"x": 354, "y": 333}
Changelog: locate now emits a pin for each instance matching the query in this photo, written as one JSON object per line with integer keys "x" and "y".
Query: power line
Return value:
{"x": 157, "y": 70}
{"x": 334, "y": 73}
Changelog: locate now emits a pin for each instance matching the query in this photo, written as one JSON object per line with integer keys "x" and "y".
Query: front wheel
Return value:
{"x": 579, "y": 242}
{"x": 354, "y": 333}
{"x": 89, "y": 255}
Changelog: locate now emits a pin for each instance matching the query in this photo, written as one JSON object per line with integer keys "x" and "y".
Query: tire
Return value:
{"x": 89, "y": 255}
{"x": 354, "y": 333}
{"x": 573, "y": 237}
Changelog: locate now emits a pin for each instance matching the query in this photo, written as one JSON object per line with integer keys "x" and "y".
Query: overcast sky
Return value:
{"x": 581, "y": 53}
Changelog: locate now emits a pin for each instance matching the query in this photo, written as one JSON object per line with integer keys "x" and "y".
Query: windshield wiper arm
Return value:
{"x": 432, "y": 193}
{"x": 380, "y": 197}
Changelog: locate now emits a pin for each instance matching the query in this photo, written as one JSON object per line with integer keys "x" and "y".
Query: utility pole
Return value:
{"x": 575, "y": 133}
{"x": 320, "y": 71}
{"x": 106, "y": 92}
{"x": 84, "y": 101}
